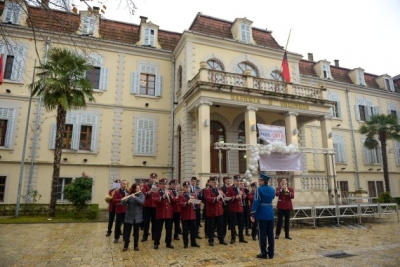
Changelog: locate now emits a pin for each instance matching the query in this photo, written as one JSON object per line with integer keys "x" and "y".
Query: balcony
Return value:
{"x": 245, "y": 83}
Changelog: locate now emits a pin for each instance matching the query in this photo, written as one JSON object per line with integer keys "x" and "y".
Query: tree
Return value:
{"x": 63, "y": 86}
{"x": 384, "y": 127}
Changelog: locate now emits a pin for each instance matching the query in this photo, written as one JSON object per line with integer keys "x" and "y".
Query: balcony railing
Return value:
{"x": 246, "y": 81}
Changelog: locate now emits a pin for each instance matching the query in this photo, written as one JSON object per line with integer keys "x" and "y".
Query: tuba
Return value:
{"x": 109, "y": 197}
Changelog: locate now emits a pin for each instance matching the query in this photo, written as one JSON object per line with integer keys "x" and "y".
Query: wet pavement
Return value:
{"x": 371, "y": 243}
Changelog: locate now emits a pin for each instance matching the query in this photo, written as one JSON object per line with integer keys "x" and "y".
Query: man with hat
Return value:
{"x": 227, "y": 183}
{"x": 195, "y": 189}
{"x": 214, "y": 212}
{"x": 176, "y": 209}
{"x": 111, "y": 205}
{"x": 263, "y": 211}
{"x": 163, "y": 200}
{"x": 120, "y": 210}
{"x": 285, "y": 195}
{"x": 149, "y": 208}
{"x": 236, "y": 208}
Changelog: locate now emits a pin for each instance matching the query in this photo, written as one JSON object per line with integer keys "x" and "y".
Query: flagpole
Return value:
{"x": 288, "y": 40}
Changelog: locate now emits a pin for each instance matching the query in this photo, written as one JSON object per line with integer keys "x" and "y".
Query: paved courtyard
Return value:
{"x": 85, "y": 244}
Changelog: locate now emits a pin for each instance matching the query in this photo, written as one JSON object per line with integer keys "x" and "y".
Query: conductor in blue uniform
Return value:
{"x": 263, "y": 212}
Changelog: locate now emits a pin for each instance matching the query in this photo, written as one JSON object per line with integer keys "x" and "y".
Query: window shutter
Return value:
{"x": 356, "y": 107}
{"x": 242, "y": 33}
{"x": 53, "y": 132}
{"x": 366, "y": 152}
{"x": 145, "y": 136}
{"x": 158, "y": 89}
{"x": 103, "y": 78}
{"x": 247, "y": 28}
{"x": 135, "y": 80}
{"x": 13, "y": 13}
{"x": 85, "y": 25}
{"x": 139, "y": 136}
{"x": 146, "y": 40}
{"x": 391, "y": 85}
{"x": 397, "y": 147}
{"x": 9, "y": 115}
{"x": 92, "y": 23}
{"x": 376, "y": 110}
{"x": 18, "y": 65}
{"x": 72, "y": 118}
{"x": 152, "y": 37}
{"x": 87, "y": 119}
{"x": 368, "y": 112}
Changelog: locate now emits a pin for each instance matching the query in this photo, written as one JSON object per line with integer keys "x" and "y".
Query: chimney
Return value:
{"x": 96, "y": 10}
{"x": 143, "y": 19}
{"x": 336, "y": 62}
{"x": 310, "y": 57}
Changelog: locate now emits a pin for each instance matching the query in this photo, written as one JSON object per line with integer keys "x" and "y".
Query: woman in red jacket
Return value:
{"x": 285, "y": 195}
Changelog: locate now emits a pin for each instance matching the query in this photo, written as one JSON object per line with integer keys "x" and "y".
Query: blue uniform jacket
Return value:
{"x": 262, "y": 205}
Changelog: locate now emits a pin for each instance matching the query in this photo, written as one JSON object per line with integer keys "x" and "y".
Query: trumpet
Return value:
{"x": 131, "y": 195}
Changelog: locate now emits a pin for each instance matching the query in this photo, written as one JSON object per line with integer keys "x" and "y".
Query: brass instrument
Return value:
{"x": 109, "y": 197}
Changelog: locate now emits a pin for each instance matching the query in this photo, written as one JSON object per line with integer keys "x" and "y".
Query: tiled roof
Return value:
{"x": 222, "y": 29}
{"x": 55, "y": 21}
{"x": 306, "y": 68}
{"x": 370, "y": 80}
{"x": 118, "y": 31}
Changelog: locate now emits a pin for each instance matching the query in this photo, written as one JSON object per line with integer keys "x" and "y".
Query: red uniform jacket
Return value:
{"x": 149, "y": 196}
{"x": 284, "y": 199}
{"x": 111, "y": 205}
{"x": 187, "y": 210}
{"x": 175, "y": 205}
{"x": 118, "y": 195}
{"x": 164, "y": 207}
{"x": 250, "y": 196}
{"x": 235, "y": 205}
{"x": 214, "y": 206}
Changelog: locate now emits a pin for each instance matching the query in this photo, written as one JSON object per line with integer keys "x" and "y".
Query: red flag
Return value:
{"x": 285, "y": 68}
{"x": 1, "y": 69}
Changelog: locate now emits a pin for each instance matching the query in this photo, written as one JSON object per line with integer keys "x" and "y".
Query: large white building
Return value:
{"x": 164, "y": 98}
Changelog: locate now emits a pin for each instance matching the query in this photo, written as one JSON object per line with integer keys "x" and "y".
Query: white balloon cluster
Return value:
{"x": 258, "y": 150}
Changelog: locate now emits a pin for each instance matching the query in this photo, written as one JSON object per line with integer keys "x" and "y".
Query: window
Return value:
{"x": 375, "y": 188}
{"x": 146, "y": 82}
{"x": 98, "y": 75}
{"x": 245, "y": 33}
{"x": 217, "y": 134}
{"x": 335, "y": 110}
{"x": 339, "y": 145}
{"x": 2, "y": 187}
{"x": 326, "y": 71}
{"x": 145, "y": 137}
{"x": 88, "y": 25}
{"x": 397, "y": 151}
{"x": 6, "y": 126}
{"x": 215, "y": 64}
{"x": 62, "y": 183}
{"x": 80, "y": 132}
{"x": 13, "y": 56}
{"x": 12, "y": 13}
{"x": 149, "y": 37}
{"x": 372, "y": 156}
{"x": 364, "y": 109}
{"x": 276, "y": 75}
{"x": 241, "y": 67}
{"x": 180, "y": 77}
{"x": 360, "y": 78}
{"x": 242, "y": 154}
{"x": 344, "y": 189}
{"x": 389, "y": 84}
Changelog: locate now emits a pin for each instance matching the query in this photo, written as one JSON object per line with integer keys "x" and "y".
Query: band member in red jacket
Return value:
{"x": 236, "y": 209}
{"x": 163, "y": 200}
{"x": 214, "y": 199}
{"x": 285, "y": 195}
{"x": 149, "y": 208}
{"x": 250, "y": 196}
{"x": 119, "y": 209}
{"x": 176, "y": 209}
{"x": 227, "y": 183}
{"x": 111, "y": 205}
{"x": 188, "y": 216}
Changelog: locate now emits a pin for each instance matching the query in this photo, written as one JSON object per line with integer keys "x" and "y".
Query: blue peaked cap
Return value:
{"x": 264, "y": 177}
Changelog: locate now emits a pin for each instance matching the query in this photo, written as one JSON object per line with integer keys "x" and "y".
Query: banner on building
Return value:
{"x": 281, "y": 162}
{"x": 271, "y": 133}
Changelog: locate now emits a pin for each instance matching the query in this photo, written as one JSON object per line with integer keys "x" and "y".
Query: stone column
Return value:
{"x": 327, "y": 142}
{"x": 250, "y": 122}
{"x": 292, "y": 131}
{"x": 203, "y": 145}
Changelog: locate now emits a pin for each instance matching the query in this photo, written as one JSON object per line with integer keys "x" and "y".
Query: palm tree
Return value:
{"x": 63, "y": 86}
{"x": 385, "y": 127}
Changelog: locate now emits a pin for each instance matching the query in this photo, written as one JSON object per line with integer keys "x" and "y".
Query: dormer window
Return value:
{"x": 326, "y": 71}
{"x": 389, "y": 84}
{"x": 149, "y": 37}
{"x": 360, "y": 78}
{"x": 245, "y": 31}
{"x": 88, "y": 25}
{"x": 12, "y": 13}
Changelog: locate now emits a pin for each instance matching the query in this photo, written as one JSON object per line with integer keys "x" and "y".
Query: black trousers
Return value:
{"x": 127, "y": 234}
{"x": 254, "y": 230}
{"x": 118, "y": 224}
{"x": 236, "y": 217}
{"x": 281, "y": 214}
{"x": 246, "y": 218}
{"x": 198, "y": 219}
{"x": 111, "y": 217}
{"x": 226, "y": 219}
{"x": 189, "y": 226}
{"x": 149, "y": 215}
{"x": 177, "y": 224}
{"x": 212, "y": 222}
{"x": 168, "y": 230}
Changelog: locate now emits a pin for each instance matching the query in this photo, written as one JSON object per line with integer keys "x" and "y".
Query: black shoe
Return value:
{"x": 170, "y": 246}
{"x": 261, "y": 256}
{"x": 115, "y": 241}
{"x": 211, "y": 244}
{"x": 108, "y": 234}
{"x": 124, "y": 249}
{"x": 223, "y": 242}
{"x": 155, "y": 246}
{"x": 136, "y": 248}
{"x": 232, "y": 241}
{"x": 277, "y": 237}
{"x": 254, "y": 238}
{"x": 185, "y": 246}
{"x": 199, "y": 237}
{"x": 143, "y": 239}
{"x": 247, "y": 233}
{"x": 270, "y": 256}
{"x": 288, "y": 237}
{"x": 176, "y": 238}
{"x": 243, "y": 241}
{"x": 196, "y": 245}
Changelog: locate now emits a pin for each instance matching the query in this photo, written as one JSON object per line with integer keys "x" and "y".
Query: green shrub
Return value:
{"x": 79, "y": 193}
{"x": 385, "y": 197}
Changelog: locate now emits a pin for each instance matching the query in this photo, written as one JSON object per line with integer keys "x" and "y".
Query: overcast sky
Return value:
{"x": 359, "y": 33}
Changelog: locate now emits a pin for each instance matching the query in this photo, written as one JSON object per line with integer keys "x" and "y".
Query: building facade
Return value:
{"x": 164, "y": 98}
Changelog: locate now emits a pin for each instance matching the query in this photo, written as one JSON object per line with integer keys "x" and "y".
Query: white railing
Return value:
{"x": 314, "y": 183}
{"x": 269, "y": 85}
{"x": 307, "y": 91}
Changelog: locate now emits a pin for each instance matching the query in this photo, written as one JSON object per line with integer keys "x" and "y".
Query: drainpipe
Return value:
{"x": 172, "y": 124}
{"x": 37, "y": 122}
{"x": 353, "y": 141}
